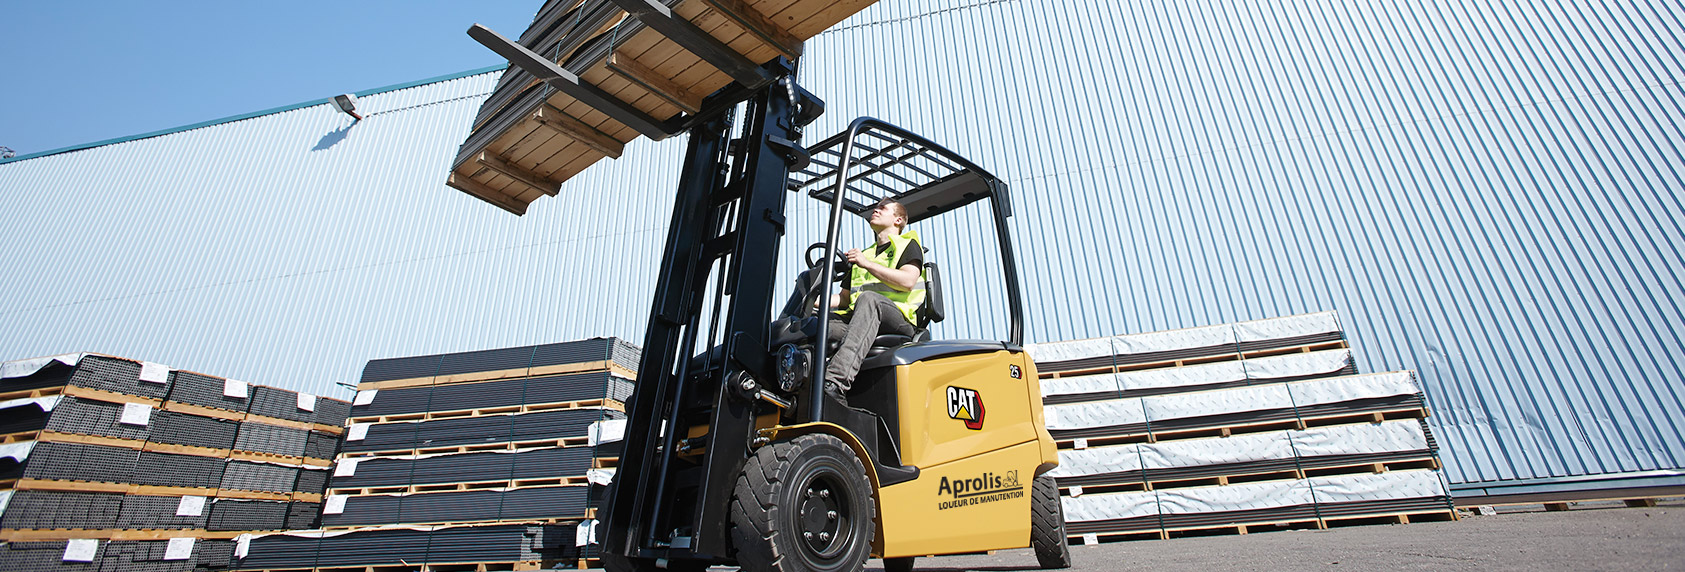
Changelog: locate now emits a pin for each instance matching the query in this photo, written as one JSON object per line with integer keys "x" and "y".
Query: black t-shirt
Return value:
{"x": 913, "y": 254}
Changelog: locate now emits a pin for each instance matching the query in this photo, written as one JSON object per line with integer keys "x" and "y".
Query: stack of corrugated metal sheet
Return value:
{"x": 466, "y": 445}
{"x": 625, "y": 77}
{"x": 1234, "y": 428}
{"x": 117, "y": 464}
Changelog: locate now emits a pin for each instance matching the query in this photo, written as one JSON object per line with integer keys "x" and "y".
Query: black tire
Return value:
{"x": 902, "y": 564}
{"x": 803, "y": 505}
{"x": 1047, "y": 525}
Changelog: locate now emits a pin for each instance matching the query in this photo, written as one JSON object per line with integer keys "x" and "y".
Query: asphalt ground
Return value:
{"x": 1592, "y": 536}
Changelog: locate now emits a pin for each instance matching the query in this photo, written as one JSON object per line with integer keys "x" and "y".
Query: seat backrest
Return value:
{"x": 932, "y": 310}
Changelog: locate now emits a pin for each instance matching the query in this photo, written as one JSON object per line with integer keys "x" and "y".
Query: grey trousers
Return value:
{"x": 873, "y": 315}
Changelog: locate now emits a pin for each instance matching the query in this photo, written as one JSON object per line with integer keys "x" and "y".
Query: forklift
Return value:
{"x": 733, "y": 453}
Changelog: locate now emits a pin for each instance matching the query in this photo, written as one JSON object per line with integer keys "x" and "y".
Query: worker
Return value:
{"x": 882, "y": 296}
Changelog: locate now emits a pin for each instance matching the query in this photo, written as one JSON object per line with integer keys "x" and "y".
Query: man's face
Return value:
{"x": 883, "y": 217}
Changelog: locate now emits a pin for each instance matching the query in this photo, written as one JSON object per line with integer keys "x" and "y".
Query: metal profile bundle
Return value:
{"x": 26, "y": 414}
{"x": 279, "y": 404}
{"x": 172, "y": 428}
{"x": 502, "y": 393}
{"x": 80, "y": 462}
{"x": 1233, "y": 426}
{"x": 1190, "y": 346}
{"x": 265, "y": 477}
{"x": 596, "y": 354}
{"x": 205, "y": 391}
{"x": 82, "y": 416}
{"x": 157, "y": 512}
{"x": 302, "y": 515}
{"x": 537, "y": 544}
{"x": 171, "y": 470}
{"x": 483, "y": 430}
{"x": 497, "y": 466}
{"x": 242, "y": 514}
{"x": 45, "y": 557}
{"x": 319, "y": 445}
{"x": 275, "y": 440}
{"x": 146, "y": 556}
{"x": 555, "y": 503}
{"x": 312, "y": 480}
{"x": 53, "y": 509}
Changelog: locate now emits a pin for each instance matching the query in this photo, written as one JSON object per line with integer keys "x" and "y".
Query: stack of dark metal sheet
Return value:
{"x": 468, "y": 442}
{"x": 104, "y": 456}
{"x": 1232, "y": 428}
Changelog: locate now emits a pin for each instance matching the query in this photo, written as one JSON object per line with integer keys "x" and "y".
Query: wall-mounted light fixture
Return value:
{"x": 348, "y": 104}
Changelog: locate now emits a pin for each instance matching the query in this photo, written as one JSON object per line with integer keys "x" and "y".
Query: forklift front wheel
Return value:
{"x": 1047, "y": 524}
{"x": 803, "y": 505}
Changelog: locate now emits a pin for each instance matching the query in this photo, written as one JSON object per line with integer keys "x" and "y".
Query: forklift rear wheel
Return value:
{"x": 1047, "y": 525}
{"x": 803, "y": 505}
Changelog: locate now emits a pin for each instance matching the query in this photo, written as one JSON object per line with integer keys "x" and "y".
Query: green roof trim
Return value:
{"x": 233, "y": 118}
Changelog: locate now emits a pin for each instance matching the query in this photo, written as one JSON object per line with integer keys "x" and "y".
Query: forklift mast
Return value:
{"x": 720, "y": 261}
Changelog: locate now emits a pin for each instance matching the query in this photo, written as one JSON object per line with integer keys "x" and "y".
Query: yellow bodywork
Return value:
{"x": 973, "y": 489}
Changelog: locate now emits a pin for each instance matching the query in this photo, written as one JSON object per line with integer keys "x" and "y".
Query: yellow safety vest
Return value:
{"x": 908, "y": 302}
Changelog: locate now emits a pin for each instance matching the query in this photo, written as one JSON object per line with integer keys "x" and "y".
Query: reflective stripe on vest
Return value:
{"x": 908, "y": 302}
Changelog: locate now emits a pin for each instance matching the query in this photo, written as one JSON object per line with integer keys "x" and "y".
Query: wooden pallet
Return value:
{"x": 461, "y": 487}
{"x": 32, "y": 393}
{"x": 1240, "y": 528}
{"x": 564, "y": 520}
{"x": 481, "y": 376}
{"x": 432, "y": 567}
{"x": 109, "y": 396}
{"x": 1254, "y": 477}
{"x": 492, "y": 411}
{"x": 20, "y": 437}
{"x": 72, "y": 486}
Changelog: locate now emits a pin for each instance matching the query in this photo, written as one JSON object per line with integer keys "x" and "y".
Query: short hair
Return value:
{"x": 899, "y": 209}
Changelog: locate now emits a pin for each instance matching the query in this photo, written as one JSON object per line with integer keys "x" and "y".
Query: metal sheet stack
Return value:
{"x": 109, "y": 463}
{"x": 1234, "y": 428}
{"x": 472, "y": 459}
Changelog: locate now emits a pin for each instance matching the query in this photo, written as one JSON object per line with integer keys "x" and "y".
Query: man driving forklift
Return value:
{"x": 882, "y": 296}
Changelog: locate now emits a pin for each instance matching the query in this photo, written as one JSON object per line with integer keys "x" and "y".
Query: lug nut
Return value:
{"x": 807, "y": 535}
{"x": 825, "y": 493}
{"x": 831, "y": 514}
{"x": 824, "y": 537}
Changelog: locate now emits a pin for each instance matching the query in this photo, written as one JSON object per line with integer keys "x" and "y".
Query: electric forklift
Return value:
{"x": 733, "y": 452}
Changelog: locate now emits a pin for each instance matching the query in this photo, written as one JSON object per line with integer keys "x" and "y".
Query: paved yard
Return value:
{"x": 1591, "y": 537}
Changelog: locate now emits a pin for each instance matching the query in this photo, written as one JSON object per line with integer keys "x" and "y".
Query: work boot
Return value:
{"x": 836, "y": 392}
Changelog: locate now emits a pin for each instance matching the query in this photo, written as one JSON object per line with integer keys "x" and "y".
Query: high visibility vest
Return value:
{"x": 908, "y": 302}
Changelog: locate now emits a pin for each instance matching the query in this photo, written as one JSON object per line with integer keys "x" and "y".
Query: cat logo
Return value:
{"x": 966, "y": 405}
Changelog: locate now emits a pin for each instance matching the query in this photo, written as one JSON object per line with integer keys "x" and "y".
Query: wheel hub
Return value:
{"x": 824, "y": 518}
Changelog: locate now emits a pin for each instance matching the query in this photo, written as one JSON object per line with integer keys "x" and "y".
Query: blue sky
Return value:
{"x": 78, "y": 72}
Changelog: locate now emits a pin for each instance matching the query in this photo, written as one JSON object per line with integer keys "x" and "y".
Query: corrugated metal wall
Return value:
{"x": 1487, "y": 191}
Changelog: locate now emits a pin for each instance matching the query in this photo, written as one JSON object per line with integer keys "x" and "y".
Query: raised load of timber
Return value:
{"x": 609, "y": 71}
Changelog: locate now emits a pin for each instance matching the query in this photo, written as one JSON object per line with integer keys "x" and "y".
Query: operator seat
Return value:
{"x": 930, "y": 312}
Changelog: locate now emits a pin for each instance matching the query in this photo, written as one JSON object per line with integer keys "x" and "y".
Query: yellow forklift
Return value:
{"x": 733, "y": 453}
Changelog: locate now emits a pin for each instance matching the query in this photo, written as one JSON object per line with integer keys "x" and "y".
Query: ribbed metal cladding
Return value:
{"x": 1486, "y": 191}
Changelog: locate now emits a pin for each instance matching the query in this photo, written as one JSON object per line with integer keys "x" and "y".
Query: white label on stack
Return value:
{"x": 135, "y": 414}
{"x": 357, "y": 432}
{"x": 234, "y": 388}
{"x": 586, "y": 533}
{"x": 1090, "y": 539}
{"x": 5, "y": 499}
{"x": 81, "y": 550}
{"x": 335, "y": 504}
{"x": 242, "y": 545}
{"x": 1081, "y": 443}
{"x": 179, "y": 549}
{"x": 1076, "y": 491}
{"x": 306, "y": 402}
{"x": 154, "y": 372}
{"x": 365, "y": 397}
{"x": 346, "y": 468}
{"x": 191, "y": 506}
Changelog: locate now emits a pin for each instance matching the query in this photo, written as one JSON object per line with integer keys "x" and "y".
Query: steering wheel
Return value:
{"x": 816, "y": 259}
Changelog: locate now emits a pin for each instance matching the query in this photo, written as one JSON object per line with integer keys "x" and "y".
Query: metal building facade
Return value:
{"x": 1486, "y": 190}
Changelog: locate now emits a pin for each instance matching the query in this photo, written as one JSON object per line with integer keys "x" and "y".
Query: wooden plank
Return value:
{"x": 519, "y": 174}
{"x": 186, "y": 450}
{"x": 759, "y": 26}
{"x": 110, "y": 396}
{"x": 32, "y": 393}
{"x": 202, "y": 411}
{"x": 638, "y": 73}
{"x": 57, "y": 437}
{"x": 485, "y": 193}
{"x": 278, "y": 422}
{"x": 569, "y": 126}
{"x": 71, "y": 486}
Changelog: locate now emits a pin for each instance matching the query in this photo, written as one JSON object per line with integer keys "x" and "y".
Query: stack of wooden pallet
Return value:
{"x": 116, "y": 464}
{"x": 448, "y": 453}
{"x": 1232, "y": 429}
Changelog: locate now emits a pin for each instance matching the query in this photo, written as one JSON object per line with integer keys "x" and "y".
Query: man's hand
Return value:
{"x": 854, "y": 257}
